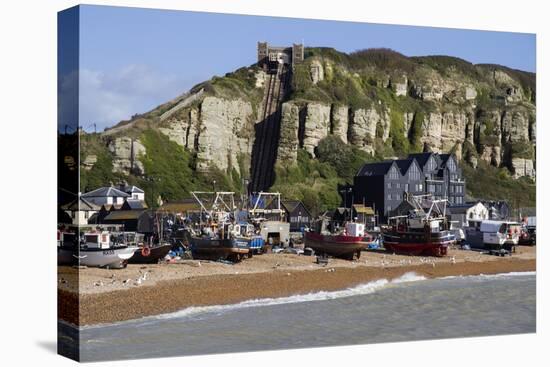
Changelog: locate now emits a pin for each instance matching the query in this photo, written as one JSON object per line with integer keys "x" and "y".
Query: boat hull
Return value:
{"x": 112, "y": 258}
{"x": 157, "y": 253}
{"x": 212, "y": 248}
{"x": 414, "y": 243}
{"x": 334, "y": 245}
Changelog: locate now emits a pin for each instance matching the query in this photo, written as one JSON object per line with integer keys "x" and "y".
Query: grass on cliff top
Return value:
{"x": 489, "y": 182}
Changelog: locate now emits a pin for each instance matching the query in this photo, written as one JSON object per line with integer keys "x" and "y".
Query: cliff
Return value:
{"x": 377, "y": 101}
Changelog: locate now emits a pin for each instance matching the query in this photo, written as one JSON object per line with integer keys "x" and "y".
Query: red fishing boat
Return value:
{"x": 345, "y": 243}
{"x": 421, "y": 231}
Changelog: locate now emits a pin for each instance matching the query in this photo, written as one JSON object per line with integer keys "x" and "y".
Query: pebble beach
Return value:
{"x": 89, "y": 296}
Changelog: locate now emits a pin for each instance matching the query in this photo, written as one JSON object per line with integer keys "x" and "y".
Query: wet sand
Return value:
{"x": 142, "y": 290}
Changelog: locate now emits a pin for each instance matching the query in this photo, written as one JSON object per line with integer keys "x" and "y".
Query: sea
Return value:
{"x": 406, "y": 309}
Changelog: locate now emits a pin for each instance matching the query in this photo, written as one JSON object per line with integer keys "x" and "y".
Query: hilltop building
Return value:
{"x": 382, "y": 185}
{"x": 269, "y": 56}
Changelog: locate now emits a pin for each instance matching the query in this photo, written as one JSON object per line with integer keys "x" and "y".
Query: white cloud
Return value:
{"x": 109, "y": 97}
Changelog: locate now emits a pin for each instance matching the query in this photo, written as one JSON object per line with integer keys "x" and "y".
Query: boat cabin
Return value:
{"x": 98, "y": 239}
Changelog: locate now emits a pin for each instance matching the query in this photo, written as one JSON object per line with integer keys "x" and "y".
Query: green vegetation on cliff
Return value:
{"x": 317, "y": 181}
{"x": 488, "y": 182}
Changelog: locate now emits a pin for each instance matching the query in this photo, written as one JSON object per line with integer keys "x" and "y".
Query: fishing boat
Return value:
{"x": 331, "y": 240}
{"x": 146, "y": 252}
{"x": 244, "y": 231}
{"x": 493, "y": 234}
{"x": 218, "y": 242}
{"x": 423, "y": 231}
{"x": 216, "y": 238}
{"x": 98, "y": 249}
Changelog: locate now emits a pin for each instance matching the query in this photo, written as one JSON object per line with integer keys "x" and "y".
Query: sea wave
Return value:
{"x": 498, "y": 275}
{"x": 361, "y": 289}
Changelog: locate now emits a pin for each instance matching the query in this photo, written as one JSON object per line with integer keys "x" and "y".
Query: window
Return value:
{"x": 389, "y": 185}
{"x": 398, "y": 185}
{"x": 135, "y": 196}
{"x": 389, "y": 196}
{"x": 394, "y": 175}
{"x": 414, "y": 172}
{"x": 451, "y": 189}
{"x": 406, "y": 187}
{"x": 420, "y": 187}
{"x": 451, "y": 164}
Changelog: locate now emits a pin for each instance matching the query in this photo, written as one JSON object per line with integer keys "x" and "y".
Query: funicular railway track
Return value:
{"x": 267, "y": 134}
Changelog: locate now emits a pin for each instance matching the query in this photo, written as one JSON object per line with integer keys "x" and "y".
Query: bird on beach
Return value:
{"x": 453, "y": 260}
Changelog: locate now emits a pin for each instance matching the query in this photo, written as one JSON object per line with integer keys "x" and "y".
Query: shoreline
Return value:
{"x": 171, "y": 295}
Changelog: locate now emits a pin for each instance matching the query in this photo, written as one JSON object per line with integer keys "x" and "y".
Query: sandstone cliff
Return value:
{"x": 375, "y": 100}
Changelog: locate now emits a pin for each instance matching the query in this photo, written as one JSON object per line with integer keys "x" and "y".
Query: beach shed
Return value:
{"x": 141, "y": 221}
{"x": 296, "y": 214}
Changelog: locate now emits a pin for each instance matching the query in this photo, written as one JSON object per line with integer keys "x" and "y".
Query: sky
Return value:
{"x": 133, "y": 59}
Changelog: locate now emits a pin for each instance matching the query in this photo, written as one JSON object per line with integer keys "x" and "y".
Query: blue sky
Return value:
{"x": 133, "y": 59}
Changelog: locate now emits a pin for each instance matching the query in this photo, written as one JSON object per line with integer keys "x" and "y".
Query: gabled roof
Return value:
{"x": 81, "y": 204}
{"x": 131, "y": 189}
{"x": 105, "y": 192}
{"x": 375, "y": 169}
{"x": 134, "y": 204}
{"x": 404, "y": 164}
{"x": 421, "y": 158}
{"x": 444, "y": 158}
{"x": 291, "y": 205}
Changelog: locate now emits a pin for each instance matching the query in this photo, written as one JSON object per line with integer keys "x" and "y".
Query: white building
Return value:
{"x": 135, "y": 192}
{"x": 106, "y": 195}
{"x": 80, "y": 210}
{"x": 469, "y": 211}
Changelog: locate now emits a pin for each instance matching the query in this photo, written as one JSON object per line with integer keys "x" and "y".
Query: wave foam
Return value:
{"x": 361, "y": 289}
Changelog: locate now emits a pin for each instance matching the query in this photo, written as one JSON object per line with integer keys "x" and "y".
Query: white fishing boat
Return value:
{"x": 493, "y": 234}
{"x": 98, "y": 249}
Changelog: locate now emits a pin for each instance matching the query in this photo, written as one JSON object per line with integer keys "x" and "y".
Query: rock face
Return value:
{"x": 523, "y": 167}
{"x": 364, "y": 125}
{"x": 442, "y": 131}
{"x": 316, "y": 126}
{"x": 126, "y": 153}
{"x": 218, "y": 131}
{"x": 89, "y": 162}
{"x": 340, "y": 122}
{"x": 316, "y": 71}
{"x": 288, "y": 140}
